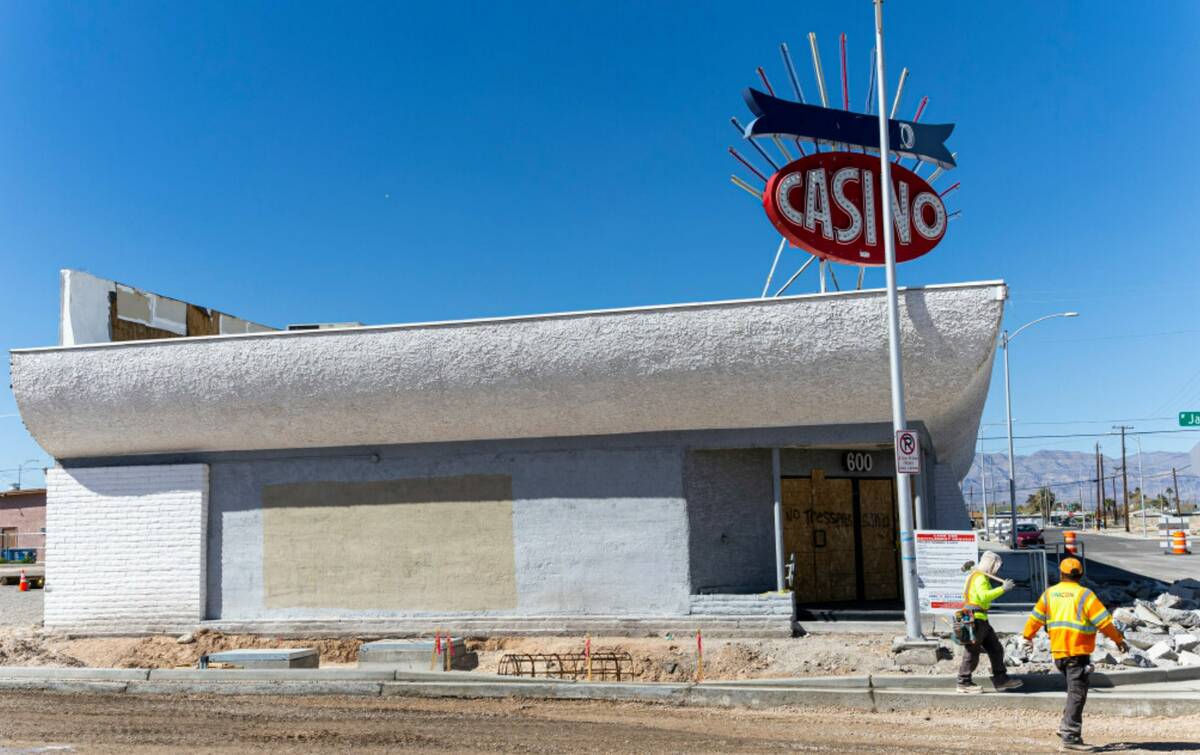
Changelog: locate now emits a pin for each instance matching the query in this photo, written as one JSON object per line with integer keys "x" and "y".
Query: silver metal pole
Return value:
{"x": 777, "y": 484}
{"x": 1141, "y": 483}
{"x": 1012, "y": 489}
{"x": 775, "y": 264}
{"x": 983, "y": 473}
{"x": 908, "y": 558}
{"x": 795, "y": 275}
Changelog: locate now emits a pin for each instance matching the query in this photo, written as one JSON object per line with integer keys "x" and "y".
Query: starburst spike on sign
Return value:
{"x": 920, "y": 109}
{"x": 937, "y": 173}
{"x": 775, "y": 264}
{"x": 954, "y": 215}
{"x": 862, "y": 271}
{"x": 833, "y": 277}
{"x": 899, "y": 92}
{"x": 817, "y": 71}
{"x": 791, "y": 71}
{"x": 762, "y": 152}
{"x": 871, "y": 86}
{"x": 749, "y": 166}
{"x": 796, "y": 275}
{"x": 953, "y": 186}
{"x": 845, "y": 76}
{"x": 746, "y": 187}
{"x": 771, "y": 91}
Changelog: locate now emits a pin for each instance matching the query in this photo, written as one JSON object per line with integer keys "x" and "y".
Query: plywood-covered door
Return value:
{"x": 877, "y": 521}
{"x": 798, "y": 537}
{"x": 833, "y": 538}
{"x": 818, "y": 531}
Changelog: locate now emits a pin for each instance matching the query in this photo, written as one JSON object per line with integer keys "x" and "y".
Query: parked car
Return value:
{"x": 1029, "y": 536}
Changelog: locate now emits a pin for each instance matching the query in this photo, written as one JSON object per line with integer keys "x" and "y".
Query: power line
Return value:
{"x": 1089, "y": 435}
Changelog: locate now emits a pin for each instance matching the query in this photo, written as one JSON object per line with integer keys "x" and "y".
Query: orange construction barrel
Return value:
{"x": 1069, "y": 536}
{"x": 1179, "y": 543}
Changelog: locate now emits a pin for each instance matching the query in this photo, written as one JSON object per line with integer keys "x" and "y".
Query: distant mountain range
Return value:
{"x": 1063, "y": 471}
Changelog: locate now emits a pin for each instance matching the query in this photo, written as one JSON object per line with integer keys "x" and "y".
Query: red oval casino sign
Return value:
{"x": 829, "y": 203}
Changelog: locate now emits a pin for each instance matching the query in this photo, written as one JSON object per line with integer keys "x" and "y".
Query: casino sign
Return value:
{"x": 829, "y": 202}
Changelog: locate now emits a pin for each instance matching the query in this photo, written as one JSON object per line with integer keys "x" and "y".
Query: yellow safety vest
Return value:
{"x": 1072, "y": 614}
{"x": 978, "y": 594}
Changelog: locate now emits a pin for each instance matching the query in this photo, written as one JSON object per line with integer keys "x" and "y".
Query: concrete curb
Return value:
{"x": 861, "y": 693}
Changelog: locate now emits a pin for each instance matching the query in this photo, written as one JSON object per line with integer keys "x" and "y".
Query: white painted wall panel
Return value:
{"x": 125, "y": 547}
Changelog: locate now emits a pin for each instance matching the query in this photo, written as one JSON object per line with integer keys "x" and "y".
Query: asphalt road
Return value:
{"x": 20, "y": 609}
{"x": 1138, "y": 557}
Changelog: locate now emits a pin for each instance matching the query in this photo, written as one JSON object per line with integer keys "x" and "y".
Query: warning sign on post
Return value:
{"x": 940, "y": 576}
{"x": 908, "y": 452}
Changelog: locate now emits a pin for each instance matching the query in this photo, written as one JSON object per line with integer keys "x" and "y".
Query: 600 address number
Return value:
{"x": 858, "y": 461}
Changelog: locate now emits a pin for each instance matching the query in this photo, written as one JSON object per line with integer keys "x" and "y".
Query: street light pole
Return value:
{"x": 908, "y": 557}
{"x": 21, "y": 468}
{"x": 1005, "y": 339}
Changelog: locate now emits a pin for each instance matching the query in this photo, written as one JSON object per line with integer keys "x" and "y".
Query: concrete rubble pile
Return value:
{"x": 1160, "y": 622}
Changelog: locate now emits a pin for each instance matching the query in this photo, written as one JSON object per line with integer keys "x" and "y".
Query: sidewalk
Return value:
{"x": 1130, "y": 693}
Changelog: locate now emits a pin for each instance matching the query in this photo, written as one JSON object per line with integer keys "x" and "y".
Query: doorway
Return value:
{"x": 841, "y": 534}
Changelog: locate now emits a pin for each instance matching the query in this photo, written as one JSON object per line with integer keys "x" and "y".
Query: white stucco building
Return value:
{"x": 597, "y": 470}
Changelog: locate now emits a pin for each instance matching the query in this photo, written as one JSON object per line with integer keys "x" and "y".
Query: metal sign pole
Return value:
{"x": 908, "y": 559}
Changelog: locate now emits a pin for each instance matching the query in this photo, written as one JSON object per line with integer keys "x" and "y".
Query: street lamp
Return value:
{"x": 21, "y": 467}
{"x": 1005, "y": 338}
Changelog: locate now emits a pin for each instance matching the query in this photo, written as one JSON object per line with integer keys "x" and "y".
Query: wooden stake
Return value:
{"x": 587, "y": 651}
{"x": 699, "y": 656}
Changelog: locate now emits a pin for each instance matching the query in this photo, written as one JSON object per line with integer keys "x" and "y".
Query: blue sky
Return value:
{"x": 396, "y": 162}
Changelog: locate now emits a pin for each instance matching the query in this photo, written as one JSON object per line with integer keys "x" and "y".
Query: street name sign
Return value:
{"x": 1189, "y": 419}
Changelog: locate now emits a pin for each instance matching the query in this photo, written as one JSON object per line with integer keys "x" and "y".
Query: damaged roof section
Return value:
{"x": 97, "y": 310}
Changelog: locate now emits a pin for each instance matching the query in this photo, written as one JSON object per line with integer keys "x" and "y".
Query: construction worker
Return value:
{"x": 1072, "y": 614}
{"x": 978, "y": 594}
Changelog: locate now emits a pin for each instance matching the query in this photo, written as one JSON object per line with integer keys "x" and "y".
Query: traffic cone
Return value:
{"x": 23, "y": 585}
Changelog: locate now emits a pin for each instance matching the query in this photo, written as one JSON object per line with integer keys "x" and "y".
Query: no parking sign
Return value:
{"x": 908, "y": 452}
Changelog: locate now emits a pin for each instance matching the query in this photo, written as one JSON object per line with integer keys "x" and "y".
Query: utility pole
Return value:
{"x": 1141, "y": 484}
{"x": 908, "y": 557}
{"x": 987, "y": 533}
{"x": 1124, "y": 473}
{"x": 1114, "y": 498}
{"x": 1100, "y": 488}
{"x": 1175, "y": 479}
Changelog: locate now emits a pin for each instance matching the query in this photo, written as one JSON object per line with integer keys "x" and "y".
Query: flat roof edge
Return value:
{"x": 506, "y": 319}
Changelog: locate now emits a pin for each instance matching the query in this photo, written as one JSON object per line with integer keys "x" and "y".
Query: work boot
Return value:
{"x": 1074, "y": 742}
{"x": 1008, "y": 684}
{"x": 970, "y": 688}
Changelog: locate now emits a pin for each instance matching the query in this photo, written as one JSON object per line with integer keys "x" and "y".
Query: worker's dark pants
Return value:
{"x": 987, "y": 641}
{"x": 1077, "y": 669}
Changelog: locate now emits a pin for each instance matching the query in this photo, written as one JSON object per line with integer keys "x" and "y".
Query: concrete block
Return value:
{"x": 268, "y": 658}
{"x": 1144, "y": 613}
{"x": 272, "y": 674}
{"x": 1186, "y": 641}
{"x": 85, "y": 674}
{"x": 73, "y": 686}
{"x": 1187, "y": 658}
{"x": 1161, "y": 651}
{"x": 1142, "y": 640}
{"x": 414, "y": 655}
{"x": 367, "y": 689}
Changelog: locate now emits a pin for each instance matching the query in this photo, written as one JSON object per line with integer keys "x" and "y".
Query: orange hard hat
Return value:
{"x": 1071, "y": 567}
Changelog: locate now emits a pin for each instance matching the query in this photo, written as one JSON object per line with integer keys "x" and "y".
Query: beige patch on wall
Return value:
{"x": 420, "y": 544}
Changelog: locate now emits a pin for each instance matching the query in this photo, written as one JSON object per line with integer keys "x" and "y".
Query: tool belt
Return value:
{"x": 964, "y": 625}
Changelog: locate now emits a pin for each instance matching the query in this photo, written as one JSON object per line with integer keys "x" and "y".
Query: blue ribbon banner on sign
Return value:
{"x": 775, "y": 116}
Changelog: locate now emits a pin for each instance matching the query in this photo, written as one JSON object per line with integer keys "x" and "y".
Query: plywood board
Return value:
{"x": 877, "y": 515}
{"x": 797, "y": 536}
{"x": 422, "y": 544}
{"x": 833, "y": 531}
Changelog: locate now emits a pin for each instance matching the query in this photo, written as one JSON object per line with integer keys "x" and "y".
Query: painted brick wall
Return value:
{"x": 125, "y": 548}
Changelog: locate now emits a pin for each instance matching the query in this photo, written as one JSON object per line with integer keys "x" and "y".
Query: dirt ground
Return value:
{"x": 654, "y": 658}
{"x": 130, "y": 724}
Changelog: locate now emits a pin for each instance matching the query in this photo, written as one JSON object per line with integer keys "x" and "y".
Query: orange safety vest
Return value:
{"x": 1072, "y": 614}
